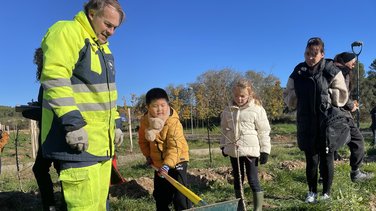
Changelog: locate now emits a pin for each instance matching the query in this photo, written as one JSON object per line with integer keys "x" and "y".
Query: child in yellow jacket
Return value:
{"x": 4, "y": 137}
{"x": 162, "y": 142}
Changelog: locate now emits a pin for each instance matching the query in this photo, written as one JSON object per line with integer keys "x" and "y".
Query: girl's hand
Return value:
{"x": 264, "y": 158}
{"x": 223, "y": 153}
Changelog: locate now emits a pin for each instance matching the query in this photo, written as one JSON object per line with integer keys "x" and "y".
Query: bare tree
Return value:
{"x": 216, "y": 90}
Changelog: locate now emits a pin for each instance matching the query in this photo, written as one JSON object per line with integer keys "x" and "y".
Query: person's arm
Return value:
{"x": 61, "y": 46}
{"x": 222, "y": 140}
{"x": 175, "y": 139}
{"x": 338, "y": 90}
{"x": 350, "y": 106}
{"x": 263, "y": 131}
{"x": 224, "y": 127}
{"x": 289, "y": 95}
{"x": 118, "y": 122}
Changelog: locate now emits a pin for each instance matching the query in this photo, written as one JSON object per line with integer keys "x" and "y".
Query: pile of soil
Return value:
{"x": 292, "y": 165}
{"x": 136, "y": 188}
{"x": 206, "y": 177}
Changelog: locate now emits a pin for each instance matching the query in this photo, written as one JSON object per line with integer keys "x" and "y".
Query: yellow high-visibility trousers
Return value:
{"x": 86, "y": 188}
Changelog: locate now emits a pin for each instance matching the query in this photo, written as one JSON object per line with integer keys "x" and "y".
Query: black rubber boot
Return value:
{"x": 238, "y": 195}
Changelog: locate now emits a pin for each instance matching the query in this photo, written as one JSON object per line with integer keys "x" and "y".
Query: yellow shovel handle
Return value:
{"x": 182, "y": 189}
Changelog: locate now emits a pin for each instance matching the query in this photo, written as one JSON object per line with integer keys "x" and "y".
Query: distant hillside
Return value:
{"x": 9, "y": 116}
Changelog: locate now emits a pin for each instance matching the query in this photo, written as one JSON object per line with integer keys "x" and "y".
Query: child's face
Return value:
{"x": 158, "y": 108}
{"x": 241, "y": 96}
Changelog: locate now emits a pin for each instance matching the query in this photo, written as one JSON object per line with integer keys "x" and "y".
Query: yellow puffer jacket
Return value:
{"x": 4, "y": 140}
{"x": 170, "y": 146}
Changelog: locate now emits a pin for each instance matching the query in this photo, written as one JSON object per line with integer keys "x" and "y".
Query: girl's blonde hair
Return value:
{"x": 243, "y": 83}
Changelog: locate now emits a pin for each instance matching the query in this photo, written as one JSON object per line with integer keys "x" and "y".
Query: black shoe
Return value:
{"x": 359, "y": 176}
{"x": 337, "y": 156}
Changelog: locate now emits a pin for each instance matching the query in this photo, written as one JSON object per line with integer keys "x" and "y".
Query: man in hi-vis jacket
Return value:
{"x": 80, "y": 122}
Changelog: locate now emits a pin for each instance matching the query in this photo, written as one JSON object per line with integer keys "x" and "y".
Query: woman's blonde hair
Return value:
{"x": 243, "y": 83}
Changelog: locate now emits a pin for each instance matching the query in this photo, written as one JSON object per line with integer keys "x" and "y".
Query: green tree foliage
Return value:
{"x": 187, "y": 97}
{"x": 11, "y": 118}
{"x": 260, "y": 80}
{"x": 176, "y": 97}
{"x": 273, "y": 101}
{"x": 368, "y": 95}
{"x": 373, "y": 66}
{"x": 353, "y": 83}
{"x": 212, "y": 92}
{"x": 268, "y": 88}
{"x": 215, "y": 91}
{"x": 139, "y": 107}
{"x": 202, "y": 103}
{"x": 367, "y": 88}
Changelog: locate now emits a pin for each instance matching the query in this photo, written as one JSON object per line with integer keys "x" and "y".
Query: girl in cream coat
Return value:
{"x": 245, "y": 134}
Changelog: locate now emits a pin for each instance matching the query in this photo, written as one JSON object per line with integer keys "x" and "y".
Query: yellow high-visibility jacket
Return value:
{"x": 79, "y": 90}
{"x": 170, "y": 147}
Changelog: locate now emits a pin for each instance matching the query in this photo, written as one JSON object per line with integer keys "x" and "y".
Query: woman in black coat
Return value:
{"x": 346, "y": 61}
{"x": 314, "y": 86}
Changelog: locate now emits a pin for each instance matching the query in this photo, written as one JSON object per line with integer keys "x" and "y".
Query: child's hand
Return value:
{"x": 163, "y": 170}
{"x": 264, "y": 158}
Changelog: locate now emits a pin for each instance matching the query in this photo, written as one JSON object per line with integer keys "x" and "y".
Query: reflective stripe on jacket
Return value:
{"x": 78, "y": 79}
{"x": 170, "y": 148}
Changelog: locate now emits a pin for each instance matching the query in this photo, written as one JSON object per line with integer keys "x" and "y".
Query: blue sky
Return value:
{"x": 167, "y": 42}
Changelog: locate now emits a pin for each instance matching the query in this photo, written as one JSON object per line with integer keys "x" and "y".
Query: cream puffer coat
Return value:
{"x": 247, "y": 127}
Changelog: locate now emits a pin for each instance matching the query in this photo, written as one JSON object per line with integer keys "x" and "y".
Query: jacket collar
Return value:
{"x": 345, "y": 70}
{"x": 248, "y": 104}
{"x": 84, "y": 21}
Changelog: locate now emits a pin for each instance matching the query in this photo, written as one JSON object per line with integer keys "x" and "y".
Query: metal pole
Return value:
{"x": 360, "y": 45}
{"x": 191, "y": 102}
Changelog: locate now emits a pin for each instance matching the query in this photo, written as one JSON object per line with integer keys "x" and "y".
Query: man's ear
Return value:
{"x": 91, "y": 14}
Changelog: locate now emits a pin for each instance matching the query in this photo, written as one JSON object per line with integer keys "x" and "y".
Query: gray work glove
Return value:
{"x": 77, "y": 139}
{"x": 119, "y": 136}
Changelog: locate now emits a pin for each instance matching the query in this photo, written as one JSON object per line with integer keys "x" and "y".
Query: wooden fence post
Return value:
{"x": 130, "y": 128}
{"x": 34, "y": 133}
